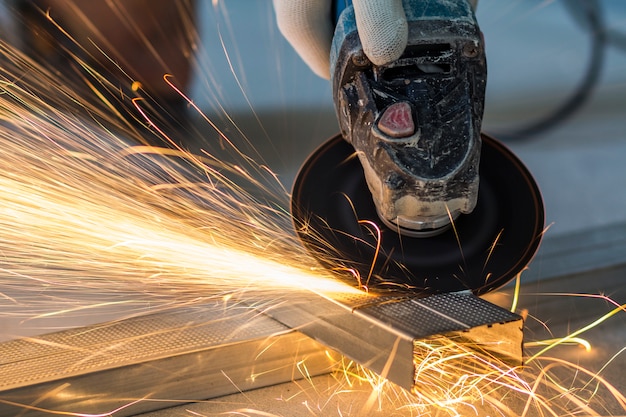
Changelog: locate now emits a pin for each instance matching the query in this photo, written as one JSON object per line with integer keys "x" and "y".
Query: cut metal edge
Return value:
{"x": 381, "y": 335}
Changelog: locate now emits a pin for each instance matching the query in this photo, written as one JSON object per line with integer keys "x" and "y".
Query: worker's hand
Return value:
{"x": 306, "y": 24}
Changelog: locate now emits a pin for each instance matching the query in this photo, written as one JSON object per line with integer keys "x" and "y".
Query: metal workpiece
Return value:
{"x": 380, "y": 332}
{"x": 152, "y": 362}
{"x": 185, "y": 355}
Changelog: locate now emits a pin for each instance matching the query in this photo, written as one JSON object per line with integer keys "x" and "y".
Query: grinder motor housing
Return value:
{"x": 415, "y": 123}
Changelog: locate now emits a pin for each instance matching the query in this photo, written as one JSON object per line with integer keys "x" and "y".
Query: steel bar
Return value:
{"x": 379, "y": 333}
{"x": 152, "y": 362}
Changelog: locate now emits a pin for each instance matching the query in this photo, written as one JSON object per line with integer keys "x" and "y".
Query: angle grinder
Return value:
{"x": 411, "y": 196}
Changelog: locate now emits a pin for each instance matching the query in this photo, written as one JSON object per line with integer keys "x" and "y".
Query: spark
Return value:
{"x": 573, "y": 336}
{"x": 377, "y": 232}
{"x": 456, "y": 233}
{"x": 491, "y": 248}
{"x": 454, "y": 379}
{"x": 561, "y": 341}
{"x": 518, "y": 281}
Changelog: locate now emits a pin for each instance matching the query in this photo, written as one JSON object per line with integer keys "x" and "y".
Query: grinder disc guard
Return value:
{"x": 333, "y": 214}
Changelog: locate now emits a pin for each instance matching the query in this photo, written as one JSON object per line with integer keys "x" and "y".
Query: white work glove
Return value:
{"x": 306, "y": 24}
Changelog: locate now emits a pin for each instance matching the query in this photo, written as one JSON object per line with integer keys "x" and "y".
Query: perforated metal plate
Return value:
{"x": 380, "y": 332}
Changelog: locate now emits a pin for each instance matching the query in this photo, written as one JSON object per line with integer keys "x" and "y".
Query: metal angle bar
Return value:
{"x": 380, "y": 332}
{"x": 160, "y": 360}
{"x": 152, "y": 362}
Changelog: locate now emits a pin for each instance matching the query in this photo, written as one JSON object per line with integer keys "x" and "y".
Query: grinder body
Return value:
{"x": 415, "y": 123}
{"x": 382, "y": 220}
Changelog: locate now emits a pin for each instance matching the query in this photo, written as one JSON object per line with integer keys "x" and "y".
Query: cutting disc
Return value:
{"x": 336, "y": 220}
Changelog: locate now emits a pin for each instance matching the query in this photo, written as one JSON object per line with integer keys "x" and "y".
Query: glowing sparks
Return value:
{"x": 376, "y": 230}
{"x": 454, "y": 379}
{"x": 85, "y": 209}
{"x": 572, "y": 337}
{"x": 562, "y": 341}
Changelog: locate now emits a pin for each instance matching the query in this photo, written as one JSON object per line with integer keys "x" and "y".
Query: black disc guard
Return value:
{"x": 336, "y": 220}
